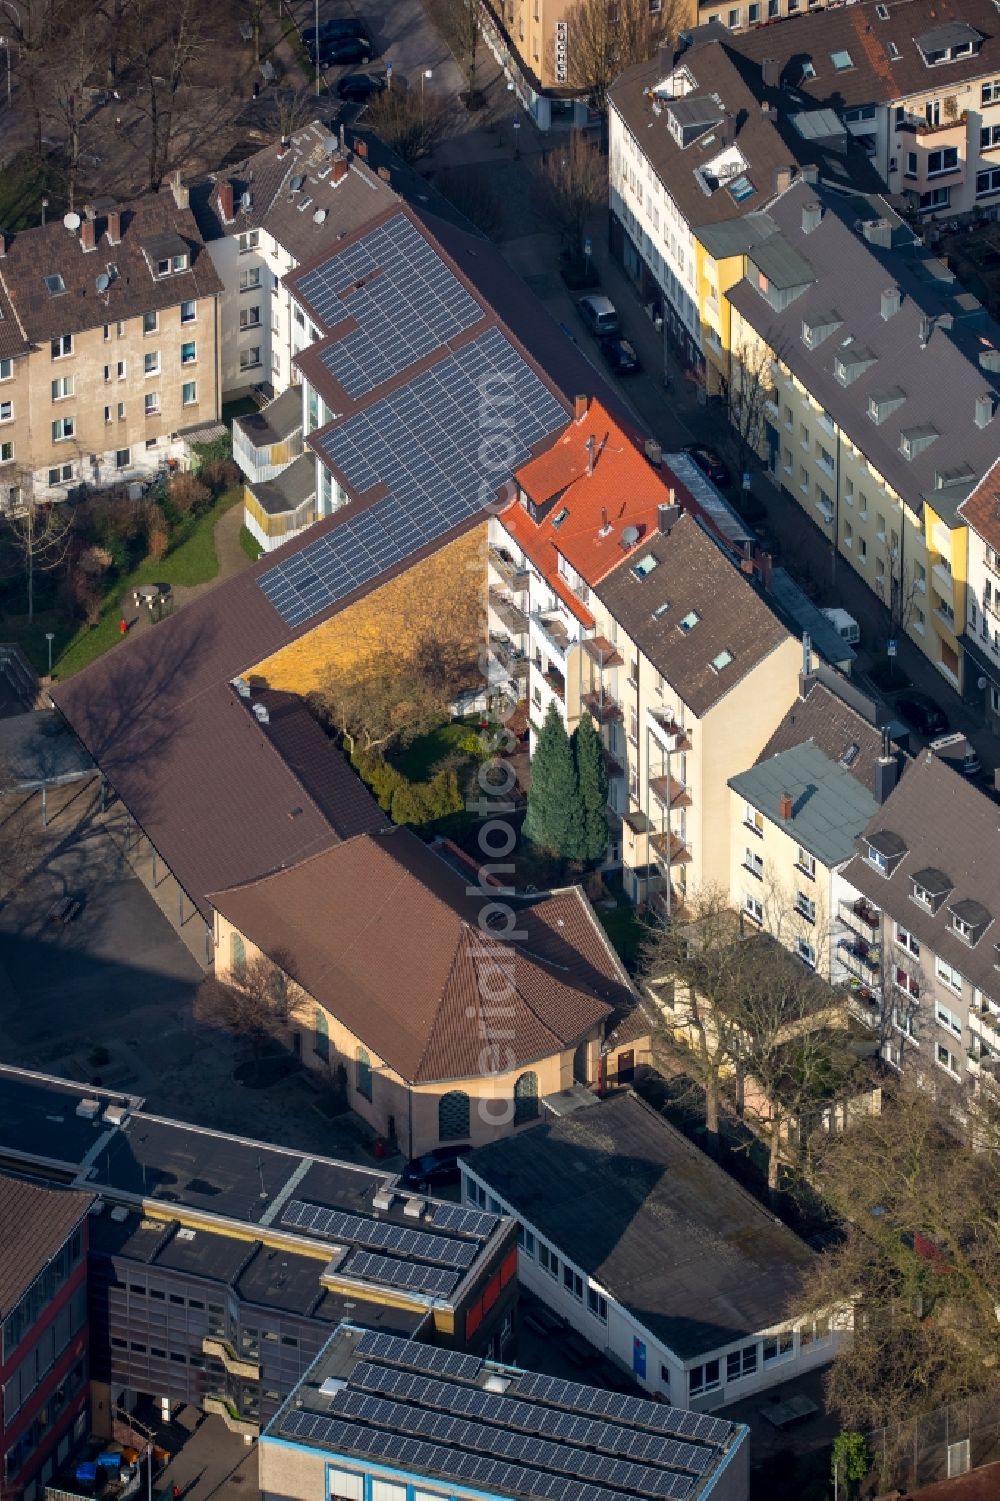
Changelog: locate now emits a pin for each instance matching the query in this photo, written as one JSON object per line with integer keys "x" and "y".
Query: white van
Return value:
{"x": 845, "y": 625}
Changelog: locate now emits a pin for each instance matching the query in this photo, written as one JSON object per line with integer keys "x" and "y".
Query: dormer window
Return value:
{"x": 969, "y": 920}
{"x": 163, "y": 268}
{"x": 930, "y": 887}
{"x": 884, "y": 850}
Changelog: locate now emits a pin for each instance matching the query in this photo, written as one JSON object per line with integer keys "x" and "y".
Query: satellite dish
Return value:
{"x": 319, "y": 216}
{"x": 630, "y": 536}
{"x": 330, "y": 144}
{"x": 103, "y": 282}
{"x": 71, "y": 221}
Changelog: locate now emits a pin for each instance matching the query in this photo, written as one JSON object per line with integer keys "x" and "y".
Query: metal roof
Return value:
{"x": 829, "y": 807}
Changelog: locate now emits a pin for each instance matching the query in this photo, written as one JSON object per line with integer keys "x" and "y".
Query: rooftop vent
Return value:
{"x": 331, "y": 1386}
{"x": 88, "y": 1110}
{"x": 384, "y": 1199}
{"x": 260, "y": 714}
{"x": 185, "y": 1234}
{"x": 495, "y": 1382}
{"x": 242, "y": 687}
{"x": 116, "y": 1115}
{"x": 414, "y": 1208}
{"x": 891, "y": 299}
{"x": 119, "y": 1214}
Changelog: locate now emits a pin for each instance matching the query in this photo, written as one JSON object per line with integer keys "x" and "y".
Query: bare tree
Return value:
{"x": 473, "y": 196}
{"x": 896, "y": 586}
{"x": 294, "y": 108}
{"x": 411, "y": 122}
{"x": 603, "y": 39}
{"x": 163, "y": 41}
{"x": 748, "y": 394}
{"x": 18, "y": 833}
{"x": 255, "y": 1001}
{"x": 458, "y": 23}
{"x": 39, "y": 533}
{"x": 377, "y": 704}
{"x": 73, "y": 64}
{"x": 572, "y": 185}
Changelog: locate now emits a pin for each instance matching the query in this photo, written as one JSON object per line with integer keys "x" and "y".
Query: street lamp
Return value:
{"x": 50, "y": 636}
{"x": 427, "y": 73}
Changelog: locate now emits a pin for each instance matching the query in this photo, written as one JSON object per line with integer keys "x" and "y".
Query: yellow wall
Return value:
{"x": 443, "y": 597}
{"x": 713, "y": 280}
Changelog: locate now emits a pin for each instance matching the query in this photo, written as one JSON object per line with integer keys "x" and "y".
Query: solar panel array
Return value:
{"x": 420, "y": 1455}
{"x": 406, "y": 1352}
{"x": 411, "y": 1275}
{"x": 637, "y": 1479}
{"x": 405, "y": 299}
{"x": 464, "y": 1221}
{"x": 637, "y": 1410}
{"x": 380, "y": 1235}
{"x": 443, "y": 444}
{"x": 529, "y": 1417}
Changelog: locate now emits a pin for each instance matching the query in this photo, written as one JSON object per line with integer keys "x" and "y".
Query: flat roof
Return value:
{"x": 39, "y": 749}
{"x": 674, "y": 1239}
{"x": 459, "y": 1419}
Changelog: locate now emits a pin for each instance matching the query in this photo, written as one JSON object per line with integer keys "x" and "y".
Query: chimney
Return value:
{"x": 343, "y": 141}
{"x": 384, "y": 173}
{"x": 182, "y": 197}
{"x": 605, "y": 523}
{"x": 88, "y": 235}
{"x": 580, "y": 405}
{"x": 727, "y": 130}
{"x": 785, "y": 807}
{"x": 667, "y": 517}
{"x": 806, "y": 677}
{"x": 225, "y": 190}
{"x": 591, "y": 445}
{"x": 783, "y": 178}
{"x": 3, "y": 245}
{"x": 284, "y": 147}
{"x": 114, "y": 226}
{"x": 878, "y": 232}
{"x": 811, "y": 216}
{"x": 810, "y": 174}
{"x": 886, "y": 770}
{"x": 654, "y": 452}
{"x": 361, "y": 149}
{"x": 924, "y": 331}
{"x": 989, "y": 359}
{"x": 891, "y": 300}
{"x": 770, "y": 73}
{"x": 984, "y": 410}
{"x": 339, "y": 171}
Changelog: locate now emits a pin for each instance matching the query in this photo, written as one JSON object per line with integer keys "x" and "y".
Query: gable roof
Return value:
{"x": 981, "y": 509}
{"x": 690, "y": 574}
{"x": 36, "y": 1222}
{"x": 833, "y": 727}
{"x": 829, "y": 807}
{"x": 384, "y": 936}
{"x": 942, "y": 823}
{"x": 50, "y": 249}
{"x": 675, "y": 1240}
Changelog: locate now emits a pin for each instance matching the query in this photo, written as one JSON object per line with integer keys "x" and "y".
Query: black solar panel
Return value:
{"x": 633, "y": 1410}
{"x": 464, "y": 1221}
{"x": 405, "y": 1352}
{"x": 378, "y": 1234}
{"x": 403, "y": 297}
{"x": 406, "y": 1274}
{"x": 435, "y": 1459}
{"x": 429, "y": 442}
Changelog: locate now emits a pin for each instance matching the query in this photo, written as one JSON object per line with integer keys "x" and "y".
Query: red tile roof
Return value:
{"x": 595, "y": 505}
{"x": 383, "y": 934}
{"x": 981, "y": 509}
{"x": 36, "y": 1221}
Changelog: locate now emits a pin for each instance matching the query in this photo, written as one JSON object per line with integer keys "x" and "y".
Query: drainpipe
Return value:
{"x": 836, "y": 510}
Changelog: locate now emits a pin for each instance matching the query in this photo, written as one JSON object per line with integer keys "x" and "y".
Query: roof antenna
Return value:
{"x": 591, "y": 445}
{"x": 807, "y": 657}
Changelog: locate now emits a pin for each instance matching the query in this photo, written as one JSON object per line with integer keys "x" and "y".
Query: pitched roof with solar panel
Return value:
{"x": 377, "y": 1399}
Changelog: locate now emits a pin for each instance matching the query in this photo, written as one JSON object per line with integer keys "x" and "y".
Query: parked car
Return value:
{"x": 437, "y": 1167}
{"x": 344, "y": 49}
{"x": 845, "y": 625}
{"x": 621, "y": 356}
{"x": 709, "y": 463}
{"x": 922, "y": 713}
{"x": 599, "y": 314}
{"x": 348, "y": 26}
{"x": 358, "y": 87}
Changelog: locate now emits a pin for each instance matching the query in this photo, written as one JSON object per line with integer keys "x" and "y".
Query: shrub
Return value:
{"x": 476, "y": 745}
{"x": 189, "y": 493}
{"x": 94, "y": 561}
{"x": 220, "y": 474}
{"x": 157, "y": 537}
{"x": 219, "y": 448}
{"x": 383, "y": 779}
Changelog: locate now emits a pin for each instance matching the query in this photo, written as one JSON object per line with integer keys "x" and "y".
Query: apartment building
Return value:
{"x": 530, "y": 39}
{"x": 922, "y": 898}
{"x": 44, "y": 1368}
{"x": 879, "y": 380}
{"x": 109, "y": 348}
{"x": 916, "y": 87}
{"x": 470, "y": 1428}
{"x": 981, "y": 637}
{"x": 691, "y": 144}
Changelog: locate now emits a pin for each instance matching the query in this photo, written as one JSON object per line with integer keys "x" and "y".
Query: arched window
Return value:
{"x": 322, "y": 1030}
{"x": 364, "y": 1078}
{"x": 453, "y": 1116}
{"x": 525, "y": 1099}
{"x": 581, "y": 1064}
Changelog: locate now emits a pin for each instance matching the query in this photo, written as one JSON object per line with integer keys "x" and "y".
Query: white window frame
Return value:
{"x": 63, "y": 429}
{"x": 192, "y": 400}
{"x": 62, "y": 347}
{"x": 948, "y": 976}
{"x": 151, "y": 363}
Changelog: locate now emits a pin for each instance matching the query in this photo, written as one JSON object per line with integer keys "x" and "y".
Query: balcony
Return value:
{"x": 602, "y": 653}
{"x": 510, "y": 658}
{"x": 277, "y": 509}
{"x": 614, "y": 766}
{"x": 222, "y": 1407}
{"x": 670, "y": 792}
{"x": 266, "y": 442}
{"x": 508, "y": 613}
{"x": 671, "y": 735}
{"x": 942, "y": 576}
{"x": 557, "y": 683}
{"x": 638, "y": 822}
{"x": 862, "y": 917}
{"x": 236, "y": 1365}
{"x": 602, "y": 707}
{"x": 859, "y": 960}
{"x": 865, "y": 1006}
{"x": 515, "y": 575}
{"x": 548, "y": 629}
{"x": 670, "y": 849}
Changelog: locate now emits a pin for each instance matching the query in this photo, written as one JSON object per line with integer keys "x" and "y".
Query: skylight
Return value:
{"x": 661, "y": 609}
{"x": 642, "y": 566}
{"x": 560, "y": 516}
{"x": 722, "y": 660}
{"x": 894, "y": 53}
{"x": 841, "y": 61}
{"x": 689, "y": 621}
{"x": 54, "y": 284}
{"x": 808, "y": 71}
{"x": 851, "y": 754}
{"x": 741, "y": 188}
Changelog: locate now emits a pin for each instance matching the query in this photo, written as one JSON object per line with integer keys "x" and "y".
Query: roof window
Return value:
{"x": 688, "y": 621}
{"x": 842, "y": 61}
{"x": 560, "y": 517}
{"x": 643, "y": 566}
{"x": 808, "y": 71}
{"x": 723, "y": 659}
{"x": 894, "y": 53}
{"x": 54, "y": 284}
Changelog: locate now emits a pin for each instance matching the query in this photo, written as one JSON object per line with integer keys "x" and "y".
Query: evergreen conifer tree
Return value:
{"x": 592, "y": 779}
{"x": 554, "y": 820}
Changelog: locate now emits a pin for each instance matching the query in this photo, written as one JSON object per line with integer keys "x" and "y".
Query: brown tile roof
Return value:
{"x": 383, "y": 934}
{"x": 876, "y": 77}
{"x": 267, "y": 178}
{"x": 833, "y": 727}
{"x": 981, "y": 509}
{"x": 691, "y": 573}
{"x": 36, "y": 1221}
{"x": 949, "y": 825}
{"x": 766, "y": 145}
{"x": 51, "y": 249}
{"x": 320, "y": 766}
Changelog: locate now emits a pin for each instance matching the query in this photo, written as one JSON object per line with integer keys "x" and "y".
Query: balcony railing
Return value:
{"x": 557, "y": 683}
{"x": 603, "y": 653}
{"x": 236, "y": 1365}
{"x": 858, "y": 959}
{"x": 552, "y": 632}
{"x": 221, "y": 1407}
{"x": 670, "y": 848}
{"x": 667, "y": 731}
{"x": 670, "y": 792}
{"x": 513, "y": 661}
{"x": 508, "y": 613}
{"x": 603, "y": 708}
{"x": 862, "y": 917}
{"x": 514, "y": 575}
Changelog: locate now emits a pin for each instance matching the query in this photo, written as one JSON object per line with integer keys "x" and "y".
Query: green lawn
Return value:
{"x": 191, "y": 560}
{"x": 626, "y": 931}
{"x": 250, "y": 545}
{"x": 417, "y": 760}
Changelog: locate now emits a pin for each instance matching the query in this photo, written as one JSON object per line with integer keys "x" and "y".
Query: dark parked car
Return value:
{"x": 328, "y": 30}
{"x": 709, "y": 463}
{"x": 922, "y": 713}
{"x": 437, "y": 1167}
{"x": 621, "y": 356}
{"x": 344, "y": 49}
{"x": 598, "y": 313}
{"x": 359, "y": 87}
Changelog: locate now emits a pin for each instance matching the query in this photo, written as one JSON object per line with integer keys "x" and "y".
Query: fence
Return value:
{"x": 962, "y": 1436}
